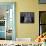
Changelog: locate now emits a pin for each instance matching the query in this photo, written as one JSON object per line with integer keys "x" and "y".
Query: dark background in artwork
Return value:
{"x": 26, "y": 17}
{"x": 2, "y": 23}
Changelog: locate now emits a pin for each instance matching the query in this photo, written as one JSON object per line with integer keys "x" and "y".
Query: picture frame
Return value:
{"x": 42, "y": 22}
{"x": 42, "y": 1}
{"x": 7, "y": 13}
{"x": 26, "y": 17}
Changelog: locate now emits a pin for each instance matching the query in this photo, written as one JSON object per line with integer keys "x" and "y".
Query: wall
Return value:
{"x": 27, "y": 30}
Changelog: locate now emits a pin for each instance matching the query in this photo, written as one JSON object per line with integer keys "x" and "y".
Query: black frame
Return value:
{"x": 24, "y": 15}
{"x": 39, "y": 20}
{"x": 41, "y": 2}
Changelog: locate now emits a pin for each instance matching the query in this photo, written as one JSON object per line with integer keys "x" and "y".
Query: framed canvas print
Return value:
{"x": 7, "y": 20}
{"x": 42, "y": 22}
{"x": 26, "y": 17}
{"x": 42, "y": 1}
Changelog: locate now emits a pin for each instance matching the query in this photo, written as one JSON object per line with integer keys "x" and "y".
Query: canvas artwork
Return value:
{"x": 7, "y": 13}
{"x": 42, "y": 1}
{"x": 26, "y": 17}
{"x": 42, "y": 22}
